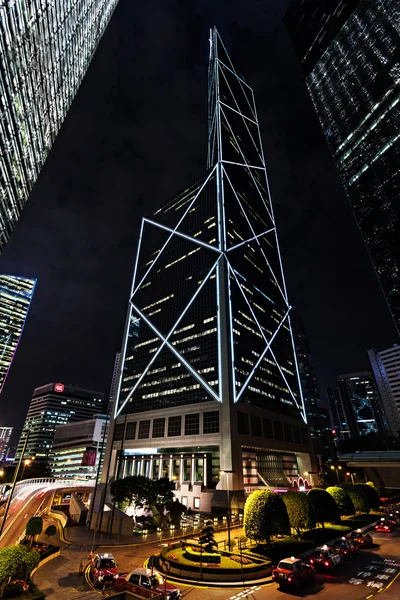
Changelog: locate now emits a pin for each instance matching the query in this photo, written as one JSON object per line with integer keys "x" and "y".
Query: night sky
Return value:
{"x": 136, "y": 134}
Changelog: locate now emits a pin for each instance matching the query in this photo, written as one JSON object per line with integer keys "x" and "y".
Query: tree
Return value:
{"x": 16, "y": 562}
{"x": 372, "y": 494}
{"x": 50, "y": 530}
{"x": 358, "y": 497}
{"x": 342, "y": 499}
{"x": 139, "y": 491}
{"x": 300, "y": 512}
{"x": 206, "y": 538}
{"x": 265, "y": 514}
{"x": 175, "y": 510}
{"x": 34, "y": 527}
{"x": 325, "y": 507}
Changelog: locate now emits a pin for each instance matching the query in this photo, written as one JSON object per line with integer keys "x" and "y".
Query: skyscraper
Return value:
{"x": 51, "y": 405}
{"x": 15, "y": 298}
{"x": 211, "y": 398}
{"x": 386, "y": 369}
{"x": 45, "y": 50}
{"x": 5, "y": 435}
{"x": 355, "y": 406}
{"x": 349, "y": 54}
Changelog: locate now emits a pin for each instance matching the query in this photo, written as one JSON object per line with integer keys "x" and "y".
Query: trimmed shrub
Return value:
{"x": 265, "y": 514}
{"x": 342, "y": 499}
{"x": 358, "y": 497}
{"x": 325, "y": 507}
{"x": 196, "y": 555}
{"x": 300, "y": 512}
{"x": 372, "y": 495}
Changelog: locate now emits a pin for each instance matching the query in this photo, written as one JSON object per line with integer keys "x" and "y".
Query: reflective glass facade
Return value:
{"x": 349, "y": 52}
{"x": 15, "y": 298}
{"x": 209, "y": 306}
{"x": 45, "y": 49}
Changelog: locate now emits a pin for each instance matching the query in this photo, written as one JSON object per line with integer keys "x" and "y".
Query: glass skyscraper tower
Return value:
{"x": 45, "y": 50}
{"x": 15, "y": 298}
{"x": 209, "y": 379}
{"x": 349, "y": 54}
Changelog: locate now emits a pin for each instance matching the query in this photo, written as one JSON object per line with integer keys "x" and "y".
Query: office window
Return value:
{"x": 119, "y": 431}
{"x": 211, "y": 422}
{"x": 255, "y": 426}
{"x": 130, "y": 433}
{"x": 243, "y": 423}
{"x": 192, "y": 424}
{"x": 288, "y": 432}
{"x": 278, "y": 430}
{"x": 296, "y": 434}
{"x": 158, "y": 428}
{"x": 174, "y": 426}
{"x": 196, "y": 502}
{"x": 304, "y": 436}
{"x": 144, "y": 430}
{"x": 184, "y": 500}
{"x": 268, "y": 431}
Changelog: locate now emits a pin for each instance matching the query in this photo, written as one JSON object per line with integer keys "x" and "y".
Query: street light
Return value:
{"x": 352, "y": 477}
{"x": 227, "y": 473}
{"x": 337, "y": 469}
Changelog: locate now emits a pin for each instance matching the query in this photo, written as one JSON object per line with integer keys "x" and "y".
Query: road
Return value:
{"x": 375, "y": 571}
{"x": 31, "y": 500}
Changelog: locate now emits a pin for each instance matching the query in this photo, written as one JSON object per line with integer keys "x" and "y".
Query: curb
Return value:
{"x": 46, "y": 560}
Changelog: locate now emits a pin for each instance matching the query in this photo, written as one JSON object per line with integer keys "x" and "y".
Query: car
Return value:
{"x": 104, "y": 570}
{"x": 293, "y": 572}
{"x": 392, "y": 519}
{"x": 384, "y": 527}
{"x": 142, "y": 579}
{"x": 346, "y": 547}
{"x": 325, "y": 558}
{"x": 361, "y": 538}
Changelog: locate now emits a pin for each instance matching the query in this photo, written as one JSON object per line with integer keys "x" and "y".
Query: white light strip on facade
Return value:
{"x": 183, "y": 235}
{"x": 248, "y": 303}
{"x": 302, "y": 412}
{"x": 188, "y": 366}
{"x": 238, "y": 112}
{"x": 268, "y": 347}
{"x": 248, "y": 165}
{"x": 255, "y": 236}
{"x": 250, "y": 239}
{"x": 164, "y": 340}
{"x": 179, "y": 222}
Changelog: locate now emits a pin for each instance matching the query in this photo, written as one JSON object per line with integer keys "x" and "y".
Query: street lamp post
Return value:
{"x": 337, "y": 469}
{"x": 352, "y": 477}
{"x": 227, "y": 473}
{"x": 14, "y": 481}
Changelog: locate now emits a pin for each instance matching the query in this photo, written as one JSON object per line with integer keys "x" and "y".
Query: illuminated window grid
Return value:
{"x": 192, "y": 424}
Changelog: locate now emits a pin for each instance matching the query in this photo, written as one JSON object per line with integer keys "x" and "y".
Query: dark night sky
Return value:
{"x": 135, "y": 135}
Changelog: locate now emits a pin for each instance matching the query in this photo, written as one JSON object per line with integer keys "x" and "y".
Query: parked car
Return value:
{"x": 141, "y": 580}
{"x": 325, "y": 558}
{"x": 384, "y": 527}
{"x": 293, "y": 572}
{"x": 346, "y": 547}
{"x": 392, "y": 519}
{"x": 361, "y": 538}
{"x": 104, "y": 569}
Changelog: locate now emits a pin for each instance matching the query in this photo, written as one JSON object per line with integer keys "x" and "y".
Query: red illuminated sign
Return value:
{"x": 59, "y": 387}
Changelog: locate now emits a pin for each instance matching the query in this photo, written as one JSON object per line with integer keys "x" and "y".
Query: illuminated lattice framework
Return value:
{"x": 232, "y": 201}
{"x": 45, "y": 49}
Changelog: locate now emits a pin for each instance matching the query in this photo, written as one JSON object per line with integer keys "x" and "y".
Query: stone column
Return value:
{"x": 193, "y": 474}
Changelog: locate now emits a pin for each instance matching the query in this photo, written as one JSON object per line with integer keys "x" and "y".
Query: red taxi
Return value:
{"x": 293, "y": 572}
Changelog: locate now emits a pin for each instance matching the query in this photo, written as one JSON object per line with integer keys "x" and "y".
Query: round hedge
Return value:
{"x": 342, "y": 499}
{"x": 325, "y": 507}
{"x": 372, "y": 495}
{"x": 358, "y": 497}
{"x": 300, "y": 511}
{"x": 265, "y": 514}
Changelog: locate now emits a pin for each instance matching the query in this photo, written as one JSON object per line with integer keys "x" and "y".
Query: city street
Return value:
{"x": 374, "y": 571}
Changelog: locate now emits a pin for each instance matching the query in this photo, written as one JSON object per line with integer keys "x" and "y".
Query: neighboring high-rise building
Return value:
{"x": 51, "y": 405}
{"x": 5, "y": 434}
{"x": 355, "y": 406}
{"x": 45, "y": 50}
{"x": 308, "y": 380}
{"x": 77, "y": 448}
{"x": 386, "y": 369}
{"x": 210, "y": 393}
{"x": 349, "y": 54}
{"x": 15, "y": 298}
